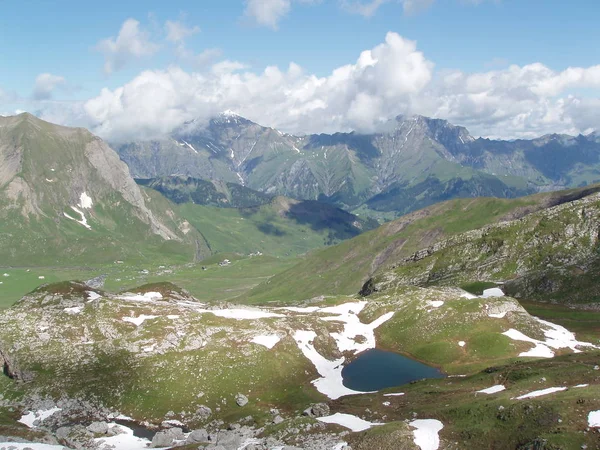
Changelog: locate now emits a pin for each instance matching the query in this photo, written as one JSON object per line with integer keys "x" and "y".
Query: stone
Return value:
{"x": 241, "y": 400}
{"x": 98, "y": 428}
{"x": 320, "y": 410}
{"x": 197, "y": 436}
{"x": 162, "y": 439}
{"x": 204, "y": 411}
{"x": 277, "y": 420}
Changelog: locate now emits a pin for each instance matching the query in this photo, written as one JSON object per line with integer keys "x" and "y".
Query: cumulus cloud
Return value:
{"x": 131, "y": 43}
{"x": 46, "y": 84}
{"x": 390, "y": 79}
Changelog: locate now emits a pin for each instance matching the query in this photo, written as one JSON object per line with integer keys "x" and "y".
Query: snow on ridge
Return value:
{"x": 190, "y": 146}
{"x": 349, "y": 421}
{"x": 426, "y": 435}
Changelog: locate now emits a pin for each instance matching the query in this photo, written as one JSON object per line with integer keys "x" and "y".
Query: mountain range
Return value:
{"x": 415, "y": 162}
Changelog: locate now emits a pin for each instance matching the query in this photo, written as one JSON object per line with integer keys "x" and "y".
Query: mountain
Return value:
{"x": 416, "y": 154}
{"x": 344, "y": 268}
{"x": 417, "y": 161}
{"x": 66, "y": 196}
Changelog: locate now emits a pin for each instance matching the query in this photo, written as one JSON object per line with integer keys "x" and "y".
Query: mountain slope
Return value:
{"x": 344, "y": 268}
{"x": 66, "y": 198}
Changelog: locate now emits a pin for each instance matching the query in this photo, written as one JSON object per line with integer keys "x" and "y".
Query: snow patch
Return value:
{"x": 498, "y": 316}
{"x": 190, "y": 146}
{"x": 83, "y": 220}
{"x": 426, "y": 433}
{"x": 396, "y": 394}
{"x": 542, "y": 392}
{"x": 493, "y": 389}
{"x": 138, "y": 320}
{"x": 91, "y": 295}
{"x": 468, "y": 295}
{"x": 41, "y": 414}
{"x": 493, "y": 292}
{"x": 435, "y": 303}
{"x": 124, "y": 441}
{"x": 349, "y": 421}
{"x": 594, "y": 419}
{"x": 147, "y": 297}
{"x": 268, "y": 341}
{"x": 74, "y": 310}
{"x": 85, "y": 201}
{"x": 461, "y": 343}
{"x": 557, "y": 337}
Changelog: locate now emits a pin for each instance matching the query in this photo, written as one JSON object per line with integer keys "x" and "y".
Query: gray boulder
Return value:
{"x": 241, "y": 400}
{"x": 204, "y": 412}
{"x": 197, "y": 436}
{"x": 162, "y": 439}
{"x": 317, "y": 410}
{"x": 98, "y": 428}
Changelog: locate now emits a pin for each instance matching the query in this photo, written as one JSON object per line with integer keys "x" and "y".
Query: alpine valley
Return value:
{"x": 232, "y": 287}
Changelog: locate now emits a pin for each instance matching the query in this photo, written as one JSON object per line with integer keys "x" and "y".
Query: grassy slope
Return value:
{"x": 343, "y": 269}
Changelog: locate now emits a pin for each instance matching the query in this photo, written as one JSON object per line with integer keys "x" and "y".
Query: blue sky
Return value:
{"x": 63, "y": 41}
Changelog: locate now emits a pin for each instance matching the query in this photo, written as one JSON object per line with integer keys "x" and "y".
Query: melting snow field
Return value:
{"x": 426, "y": 433}
{"x": 493, "y": 389}
{"x": 331, "y": 381}
{"x": 594, "y": 419}
{"x": 349, "y": 421}
{"x": 556, "y": 337}
{"x": 541, "y": 392}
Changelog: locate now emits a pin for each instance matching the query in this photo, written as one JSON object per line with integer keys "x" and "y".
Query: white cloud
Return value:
{"x": 390, "y": 79}
{"x": 178, "y": 32}
{"x": 46, "y": 84}
{"x": 364, "y": 8}
{"x": 267, "y": 13}
{"x": 131, "y": 43}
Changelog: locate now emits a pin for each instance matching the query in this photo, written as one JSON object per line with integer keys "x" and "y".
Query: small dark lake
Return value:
{"x": 376, "y": 369}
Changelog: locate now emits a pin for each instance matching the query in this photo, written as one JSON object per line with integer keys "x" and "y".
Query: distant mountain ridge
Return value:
{"x": 417, "y": 157}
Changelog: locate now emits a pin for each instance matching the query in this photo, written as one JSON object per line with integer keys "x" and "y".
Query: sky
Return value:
{"x": 138, "y": 69}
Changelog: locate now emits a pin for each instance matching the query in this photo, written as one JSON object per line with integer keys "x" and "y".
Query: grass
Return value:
{"x": 211, "y": 285}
